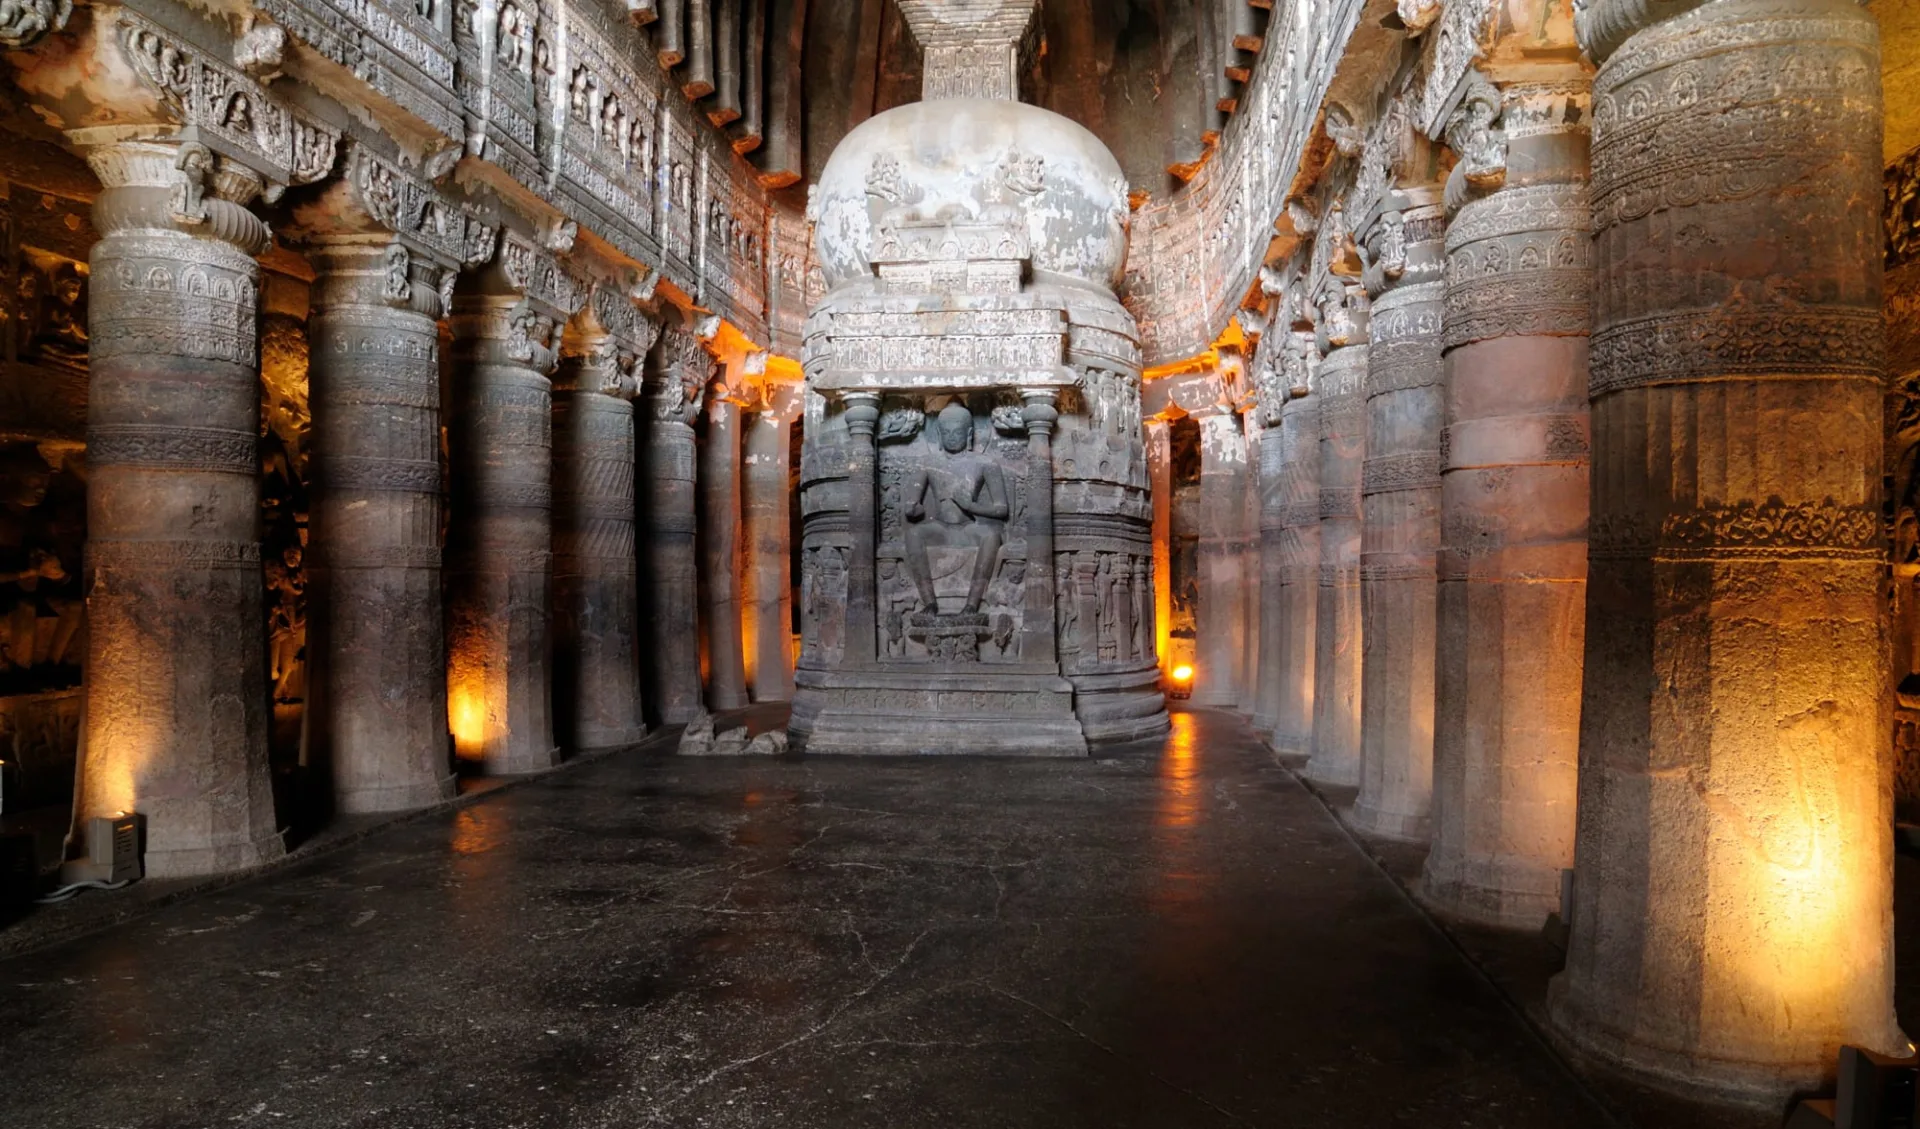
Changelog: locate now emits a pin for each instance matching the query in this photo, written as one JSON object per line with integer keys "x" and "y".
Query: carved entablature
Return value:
{"x": 1451, "y": 51}
{"x": 402, "y": 50}
{"x": 455, "y": 234}
{"x": 544, "y": 280}
{"x": 936, "y": 349}
{"x": 227, "y": 110}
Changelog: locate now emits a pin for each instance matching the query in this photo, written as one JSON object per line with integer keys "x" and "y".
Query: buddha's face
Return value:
{"x": 956, "y": 431}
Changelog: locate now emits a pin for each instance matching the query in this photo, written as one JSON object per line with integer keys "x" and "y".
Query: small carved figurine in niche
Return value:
{"x": 1003, "y": 608}
{"x": 956, "y": 502}
{"x": 897, "y": 597}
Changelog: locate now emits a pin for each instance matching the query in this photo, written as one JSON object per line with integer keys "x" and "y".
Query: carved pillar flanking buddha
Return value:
{"x": 506, "y": 321}
{"x": 176, "y": 709}
{"x": 766, "y": 495}
{"x": 596, "y": 621}
{"x": 376, "y": 641}
{"x": 1221, "y": 631}
{"x": 1158, "y": 438}
{"x": 720, "y": 550}
{"x": 1338, "y": 628}
{"x": 1732, "y": 904}
{"x": 1400, "y": 524}
{"x": 1513, "y": 555}
{"x": 673, "y": 396}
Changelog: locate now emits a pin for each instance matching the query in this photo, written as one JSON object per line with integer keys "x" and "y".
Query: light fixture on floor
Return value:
{"x": 1180, "y": 682}
{"x": 1876, "y": 1091}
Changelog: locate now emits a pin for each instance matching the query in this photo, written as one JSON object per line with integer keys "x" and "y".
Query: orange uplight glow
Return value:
{"x": 467, "y": 717}
{"x": 1183, "y": 673}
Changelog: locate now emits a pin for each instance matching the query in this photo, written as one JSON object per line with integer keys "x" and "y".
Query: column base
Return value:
{"x": 873, "y": 713}
{"x": 1406, "y": 827}
{"x": 1502, "y": 896}
{"x": 399, "y": 797}
{"x": 227, "y": 858}
{"x": 520, "y": 764}
{"x": 592, "y": 740}
{"x": 681, "y": 715}
{"x": 1332, "y": 771}
{"x": 1290, "y": 745}
{"x": 1692, "y": 1076}
{"x": 1215, "y": 701}
{"x": 727, "y": 701}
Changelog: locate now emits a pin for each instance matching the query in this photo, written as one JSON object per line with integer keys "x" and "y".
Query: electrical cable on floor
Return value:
{"x": 66, "y": 893}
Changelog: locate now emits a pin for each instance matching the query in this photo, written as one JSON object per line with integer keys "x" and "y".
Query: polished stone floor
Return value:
{"x": 1168, "y": 935}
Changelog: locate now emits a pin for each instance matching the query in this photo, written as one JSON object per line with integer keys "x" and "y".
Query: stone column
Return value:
{"x": 1040, "y": 642}
{"x": 1513, "y": 561}
{"x": 376, "y": 643}
{"x": 500, "y": 532}
{"x": 1400, "y": 523}
{"x": 768, "y": 495}
{"x": 1268, "y": 612}
{"x": 176, "y": 689}
{"x": 597, "y": 697}
{"x": 1220, "y": 643}
{"x": 1296, "y": 597}
{"x": 720, "y": 554}
{"x": 1160, "y": 470}
{"x": 1337, "y": 625}
{"x": 862, "y": 416}
{"x": 1732, "y": 916}
{"x": 674, "y": 390}
{"x": 1248, "y": 548}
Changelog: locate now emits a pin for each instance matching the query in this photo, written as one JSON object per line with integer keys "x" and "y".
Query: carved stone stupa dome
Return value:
{"x": 972, "y": 160}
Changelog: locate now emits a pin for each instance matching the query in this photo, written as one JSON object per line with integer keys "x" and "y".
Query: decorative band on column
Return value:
{"x": 370, "y": 557}
{"x": 1410, "y": 470}
{"x": 161, "y": 447}
{"x": 150, "y": 302}
{"x": 166, "y": 556}
{"x": 1339, "y": 502}
{"x": 1339, "y": 576}
{"x": 393, "y": 476}
{"x": 1519, "y": 264}
{"x": 1404, "y": 364}
{"x": 673, "y": 525}
{"x": 1342, "y": 416}
{"x": 1770, "y": 530}
{"x": 1830, "y": 342}
{"x": 500, "y": 560}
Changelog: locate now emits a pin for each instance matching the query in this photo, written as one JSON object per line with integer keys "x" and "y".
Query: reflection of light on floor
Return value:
{"x": 1179, "y": 776}
{"x": 477, "y": 830}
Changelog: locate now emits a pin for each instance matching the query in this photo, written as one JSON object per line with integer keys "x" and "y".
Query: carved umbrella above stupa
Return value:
{"x": 978, "y": 561}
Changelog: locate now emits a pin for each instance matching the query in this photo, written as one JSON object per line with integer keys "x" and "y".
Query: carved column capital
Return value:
{"x": 675, "y": 388}
{"x": 180, "y": 184}
{"x": 1474, "y": 133}
{"x": 1603, "y": 25}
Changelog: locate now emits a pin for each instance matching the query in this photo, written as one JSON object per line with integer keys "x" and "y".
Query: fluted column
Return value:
{"x": 176, "y": 687}
{"x": 1400, "y": 522}
{"x": 1295, "y": 577}
{"x": 720, "y": 554}
{"x": 376, "y": 645}
{"x": 1732, "y": 917}
{"x": 1267, "y": 612}
{"x": 1337, "y": 627}
{"x": 597, "y": 697}
{"x": 1220, "y": 633}
{"x": 500, "y": 532}
{"x": 766, "y": 503}
{"x": 1513, "y": 555}
{"x": 674, "y": 390}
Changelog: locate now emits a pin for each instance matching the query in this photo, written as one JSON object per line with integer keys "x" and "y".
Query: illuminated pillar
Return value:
{"x": 1400, "y": 523}
{"x": 176, "y": 687}
{"x": 1160, "y": 469}
{"x": 1220, "y": 643}
{"x": 376, "y": 642}
{"x": 1732, "y": 917}
{"x": 766, "y": 492}
{"x": 1296, "y": 515}
{"x": 1337, "y": 625}
{"x": 597, "y": 698}
{"x": 1513, "y": 554}
{"x": 1247, "y": 548}
{"x": 500, "y": 530}
{"x": 720, "y": 554}
{"x": 673, "y": 394}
